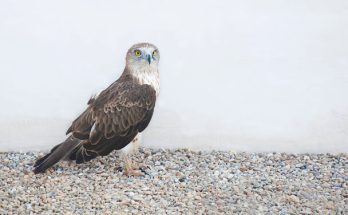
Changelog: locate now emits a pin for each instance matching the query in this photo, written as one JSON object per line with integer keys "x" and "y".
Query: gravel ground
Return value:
{"x": 179, "y": 182}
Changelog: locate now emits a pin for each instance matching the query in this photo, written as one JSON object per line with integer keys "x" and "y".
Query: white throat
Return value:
{"x": 147, "y": 74}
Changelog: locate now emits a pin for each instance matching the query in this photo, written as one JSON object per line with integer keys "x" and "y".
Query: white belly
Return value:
{"x": 132, "y": 146}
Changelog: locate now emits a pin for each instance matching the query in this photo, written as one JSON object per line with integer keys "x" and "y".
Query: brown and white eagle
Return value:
{"x": 114, "y": 118}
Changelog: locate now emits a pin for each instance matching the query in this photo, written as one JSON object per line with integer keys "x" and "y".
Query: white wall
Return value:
{"x": 236, "y": 75}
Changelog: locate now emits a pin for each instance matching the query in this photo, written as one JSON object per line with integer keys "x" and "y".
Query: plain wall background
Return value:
{"x": 236, "y": 75}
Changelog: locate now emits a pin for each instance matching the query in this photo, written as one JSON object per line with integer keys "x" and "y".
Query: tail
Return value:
{"x": 57, "y": 153}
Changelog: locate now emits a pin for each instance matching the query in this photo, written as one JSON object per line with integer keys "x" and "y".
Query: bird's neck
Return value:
{"x": 146, "y": 74}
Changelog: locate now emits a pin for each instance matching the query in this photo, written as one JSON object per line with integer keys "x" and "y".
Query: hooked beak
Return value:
{"x": 149, "y": 58}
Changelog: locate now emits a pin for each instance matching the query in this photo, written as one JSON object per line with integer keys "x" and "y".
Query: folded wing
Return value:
{"x": 112, "y": 119}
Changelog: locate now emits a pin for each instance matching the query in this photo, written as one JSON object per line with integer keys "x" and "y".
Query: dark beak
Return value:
{"x": 149, "y": 58}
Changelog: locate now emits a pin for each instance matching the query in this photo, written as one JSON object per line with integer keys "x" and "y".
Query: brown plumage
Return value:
{"x": 115, "y": 116}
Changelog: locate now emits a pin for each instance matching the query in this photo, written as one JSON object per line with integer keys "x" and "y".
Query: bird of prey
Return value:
{"x": 115, "y": 117}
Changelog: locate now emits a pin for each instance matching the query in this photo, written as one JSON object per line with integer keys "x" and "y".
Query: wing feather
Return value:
{"x": 114, "y": 118}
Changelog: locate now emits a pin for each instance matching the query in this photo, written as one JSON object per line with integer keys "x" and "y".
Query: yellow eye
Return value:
{"x": 137, "y": 53}
{"x": 154, "y": 53}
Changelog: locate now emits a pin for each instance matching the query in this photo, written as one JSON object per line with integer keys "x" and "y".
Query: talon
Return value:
{"x": 143, "y": 170}
{"x": 133, "y": 172}
{"x": 133, "y": 169}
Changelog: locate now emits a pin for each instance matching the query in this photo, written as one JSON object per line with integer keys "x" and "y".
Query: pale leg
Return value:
{"x": 132, "y": 168}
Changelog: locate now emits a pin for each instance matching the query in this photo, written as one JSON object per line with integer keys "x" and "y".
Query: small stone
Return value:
{"x": 182, "y": 179}
{"x": 293, "y": 198}
{"x": 243, "y": 169}
{"x": 307, "y": 211}
{"x": 198, "y": 198}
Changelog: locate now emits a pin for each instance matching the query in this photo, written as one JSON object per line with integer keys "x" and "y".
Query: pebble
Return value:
{"x": 294, "y": 199}
{"x": 179, "y": 181}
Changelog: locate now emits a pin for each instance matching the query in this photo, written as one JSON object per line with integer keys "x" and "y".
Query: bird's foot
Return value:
{"x": 134, "y": 169}
{"x": 143, "y": 167}
{"x": 133, "y": 172}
